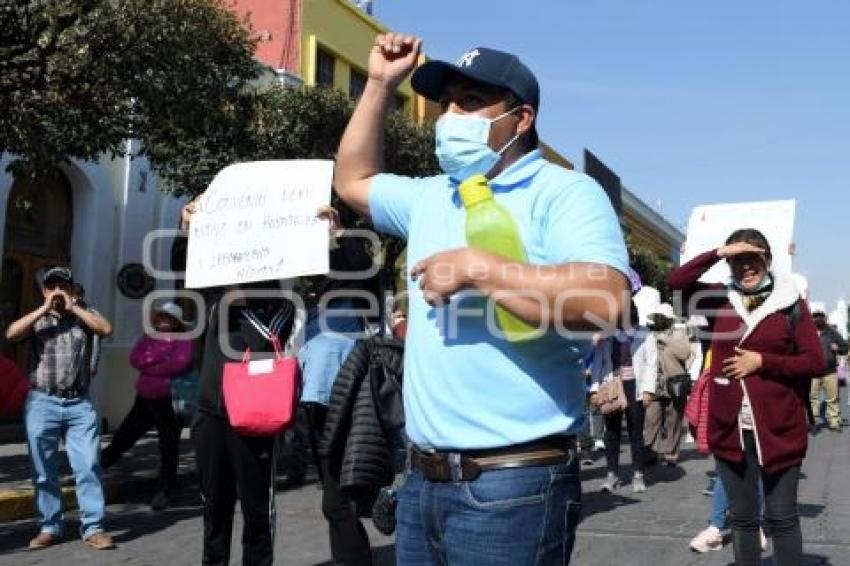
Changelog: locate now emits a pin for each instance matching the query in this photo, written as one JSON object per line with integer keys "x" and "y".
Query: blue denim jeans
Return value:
{"x": 512, "y": 517}
{"x": 720, "y": 503}
{"x": 48, "y": 420}
{"x": 324, "y": 351}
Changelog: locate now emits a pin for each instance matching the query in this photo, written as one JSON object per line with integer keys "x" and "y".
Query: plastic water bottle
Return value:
{"x": 490, "y": 227}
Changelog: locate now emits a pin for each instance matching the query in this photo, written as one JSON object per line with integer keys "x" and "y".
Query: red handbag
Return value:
{"x": 696, "y": 413}
{"x": 261, "y": 396}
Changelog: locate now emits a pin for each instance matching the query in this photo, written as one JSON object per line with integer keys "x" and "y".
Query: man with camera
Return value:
{"x": 62, "y": 335}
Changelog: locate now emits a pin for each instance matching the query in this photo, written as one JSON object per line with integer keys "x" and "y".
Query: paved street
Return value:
{"x": 653, "y": 528}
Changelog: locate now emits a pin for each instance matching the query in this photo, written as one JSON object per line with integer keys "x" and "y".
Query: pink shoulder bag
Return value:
{"x": 261, "y": 396}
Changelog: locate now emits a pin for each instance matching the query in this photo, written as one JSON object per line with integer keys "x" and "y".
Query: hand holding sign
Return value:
{"x": 257, "y": 221}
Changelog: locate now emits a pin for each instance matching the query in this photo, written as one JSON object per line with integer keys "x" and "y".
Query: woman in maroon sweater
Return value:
{"x": 14, "y": 387}
{"x": 765, "y": 349}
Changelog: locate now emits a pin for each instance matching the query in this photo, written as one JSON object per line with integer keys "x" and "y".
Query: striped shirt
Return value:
{"x": 61, "y": 356}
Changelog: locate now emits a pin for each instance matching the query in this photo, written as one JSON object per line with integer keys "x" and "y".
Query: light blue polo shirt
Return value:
{"x": 465, "y": 388}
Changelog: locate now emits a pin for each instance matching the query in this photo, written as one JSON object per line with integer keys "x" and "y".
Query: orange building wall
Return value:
{"x": 277, "y": 25}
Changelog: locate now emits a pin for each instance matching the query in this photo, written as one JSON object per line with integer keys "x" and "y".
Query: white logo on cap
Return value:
{"x": 467, "y": 58}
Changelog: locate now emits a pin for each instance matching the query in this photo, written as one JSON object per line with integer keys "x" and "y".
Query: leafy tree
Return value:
{"x": 82, "y": 76}
{"x": 653, "y": 270}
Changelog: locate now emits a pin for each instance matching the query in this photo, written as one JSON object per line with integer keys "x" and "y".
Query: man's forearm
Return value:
{"x": 21, "y": 327}
{"x": 579, "y": 296}
{"x": 94, "y": 322}
{"x": 361, "y": 150}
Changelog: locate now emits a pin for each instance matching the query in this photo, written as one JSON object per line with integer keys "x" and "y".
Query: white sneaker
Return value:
{"x": 611, "y": 483}
{"x": 638, "y": 484}
{"x": 707, "y": 540}
{"x": 599, "y": 445}
{"x": 763, "y": 540}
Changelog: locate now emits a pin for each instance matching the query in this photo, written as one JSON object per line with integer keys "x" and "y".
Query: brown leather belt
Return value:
{"x": 444, "y": 466}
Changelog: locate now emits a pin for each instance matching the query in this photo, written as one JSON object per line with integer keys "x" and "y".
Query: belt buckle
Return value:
{"x": 435, "y": 467}
{"x": 454, "y": 460}
{"x": 67, "y": 394}
{"x": 446, "y": 466}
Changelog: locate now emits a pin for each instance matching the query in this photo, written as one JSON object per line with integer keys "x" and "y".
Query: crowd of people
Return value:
{"x": 492, "y": 427}
{"x": 644, "y": 361}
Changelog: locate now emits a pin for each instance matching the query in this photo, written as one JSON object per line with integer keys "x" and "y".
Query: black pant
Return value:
{"x": 229, "y": 463}
{"x": 634, "y": 425}
{"x": 780, "y": 508}
{"x": 145, "y": 414}
{"x": 348, "y": 538}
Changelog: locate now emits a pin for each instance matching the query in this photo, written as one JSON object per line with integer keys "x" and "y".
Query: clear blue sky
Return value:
{"x": 689, "y": 102}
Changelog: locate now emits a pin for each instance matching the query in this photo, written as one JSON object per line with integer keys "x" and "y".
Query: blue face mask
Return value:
{"x": 462, "y": 148}
{"x": 765, "y": 283}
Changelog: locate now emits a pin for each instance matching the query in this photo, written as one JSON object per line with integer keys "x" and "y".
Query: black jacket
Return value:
{"x": 828, "y": 337}
{"x": 364, "y": 416}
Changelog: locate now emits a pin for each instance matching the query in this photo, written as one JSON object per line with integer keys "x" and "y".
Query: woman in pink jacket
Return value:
{"x": 158, "y": 360}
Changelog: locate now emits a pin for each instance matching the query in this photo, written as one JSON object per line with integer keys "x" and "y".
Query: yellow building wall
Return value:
{"x": 346, "y": 32}
{"x": 645, "y": 236}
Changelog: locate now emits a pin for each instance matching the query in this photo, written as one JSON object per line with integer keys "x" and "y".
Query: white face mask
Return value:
{"x": 462, "y": 147}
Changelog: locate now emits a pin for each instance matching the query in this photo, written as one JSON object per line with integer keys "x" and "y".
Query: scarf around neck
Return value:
{"x": 755, "y": 298}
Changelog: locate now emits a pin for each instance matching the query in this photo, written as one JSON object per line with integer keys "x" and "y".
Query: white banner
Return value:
{"x": 257, "y": 221}
{"x": 710, "y": 226}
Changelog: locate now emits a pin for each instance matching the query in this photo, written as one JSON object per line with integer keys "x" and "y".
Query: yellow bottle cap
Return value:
{"x": 474, "y": 190}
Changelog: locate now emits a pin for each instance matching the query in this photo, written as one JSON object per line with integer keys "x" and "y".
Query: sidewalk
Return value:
{"x": 626, "y": 529}
{"x": 655, "y": 527}
{"x": 134, "y": 474}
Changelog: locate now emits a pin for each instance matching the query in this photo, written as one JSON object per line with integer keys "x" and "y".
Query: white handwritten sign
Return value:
{"x": 710, "y": 225}
{"x": 257, "y": 221}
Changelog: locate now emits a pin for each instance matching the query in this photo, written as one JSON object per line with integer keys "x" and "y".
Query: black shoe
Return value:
{"x": 294, "y": 479}
{"x": 160, "y": 501}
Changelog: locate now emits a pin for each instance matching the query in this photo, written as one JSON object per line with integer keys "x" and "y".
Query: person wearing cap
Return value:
{"x": 58, "y": 407}
{"x": 764, "y": 350}
{"x": 158, "y": 358}
{"x": 833, "y": 346}
{"x": 663, "y": 427}
{"x": 491, "y": 423}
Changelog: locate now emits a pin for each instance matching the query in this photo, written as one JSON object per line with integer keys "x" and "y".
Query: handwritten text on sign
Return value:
{"x": 257, "y": 221}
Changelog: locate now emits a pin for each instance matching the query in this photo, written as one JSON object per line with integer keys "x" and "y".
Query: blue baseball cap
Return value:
{"x": 483, "y": 65}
